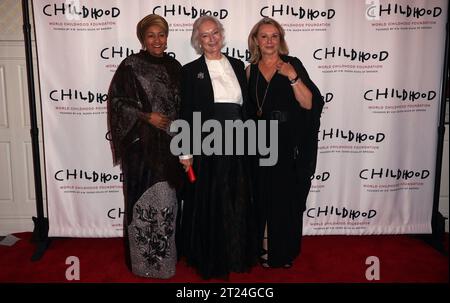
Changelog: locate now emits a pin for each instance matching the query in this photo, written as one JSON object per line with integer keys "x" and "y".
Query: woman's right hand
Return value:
{"x": 159, "y": 120}
{"x": 186, "y": 163}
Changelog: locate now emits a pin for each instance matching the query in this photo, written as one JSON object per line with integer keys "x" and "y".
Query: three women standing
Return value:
{"x": 227, "y": 216}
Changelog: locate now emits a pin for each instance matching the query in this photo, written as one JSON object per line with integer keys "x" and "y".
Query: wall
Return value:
{"x": 17, "y": 193}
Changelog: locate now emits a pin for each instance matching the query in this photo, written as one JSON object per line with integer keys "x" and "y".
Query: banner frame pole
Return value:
{"x": 40, "y": 232}
{"x": 436, "y": 238}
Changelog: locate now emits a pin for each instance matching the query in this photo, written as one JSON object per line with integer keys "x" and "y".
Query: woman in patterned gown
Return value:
{"x": 144, "y": 97}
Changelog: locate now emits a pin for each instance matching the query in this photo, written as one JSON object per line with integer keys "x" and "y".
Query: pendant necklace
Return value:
{"x": 260, "y": 105}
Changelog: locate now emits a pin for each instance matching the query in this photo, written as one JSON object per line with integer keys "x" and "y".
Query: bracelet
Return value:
{"x": 293, "y": 81}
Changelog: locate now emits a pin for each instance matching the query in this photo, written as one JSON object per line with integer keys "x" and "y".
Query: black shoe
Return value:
{"x": 287, "y": 265}
{"x": 263, "y": 258}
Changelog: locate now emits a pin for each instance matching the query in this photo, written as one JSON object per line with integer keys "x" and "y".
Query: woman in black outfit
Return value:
{"x": 280, "y": 89}
{"x": 218, "y": 218}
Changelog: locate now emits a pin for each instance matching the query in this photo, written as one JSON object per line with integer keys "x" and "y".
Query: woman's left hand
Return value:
{"x": 286, "y": 69}
{"x": 159, "y": 120}
{"x": 186, "y": 163}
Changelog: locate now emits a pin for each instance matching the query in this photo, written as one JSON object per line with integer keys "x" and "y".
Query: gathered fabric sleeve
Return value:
{"x": 309, "y": 124}
{"x": 242, "y": 77}
{"x": 124, "y": 109}
{"x": 187, "y": 103}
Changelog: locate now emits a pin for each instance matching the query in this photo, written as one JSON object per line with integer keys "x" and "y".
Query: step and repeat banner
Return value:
{"x": 378, "y": 65}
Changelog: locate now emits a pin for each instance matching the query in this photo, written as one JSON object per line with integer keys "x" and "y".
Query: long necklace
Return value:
{"x": 260, "y": 105}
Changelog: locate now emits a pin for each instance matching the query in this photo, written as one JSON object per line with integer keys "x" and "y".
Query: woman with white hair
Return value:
{"x": 218, "y": 223}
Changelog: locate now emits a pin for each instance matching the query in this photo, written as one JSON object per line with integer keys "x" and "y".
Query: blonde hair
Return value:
{"x": 148, "y": 21}
{"x": 255, "y": 53}
{"x": 195, "y": 40}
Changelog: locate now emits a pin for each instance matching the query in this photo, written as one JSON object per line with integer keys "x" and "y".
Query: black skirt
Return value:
{"x": 219, "y": 224}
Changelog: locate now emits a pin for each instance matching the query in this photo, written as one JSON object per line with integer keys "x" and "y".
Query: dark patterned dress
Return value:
{"x": 144, "y": 84}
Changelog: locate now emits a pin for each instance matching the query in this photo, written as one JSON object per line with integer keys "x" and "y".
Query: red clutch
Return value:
{"x": 190, "y": 174}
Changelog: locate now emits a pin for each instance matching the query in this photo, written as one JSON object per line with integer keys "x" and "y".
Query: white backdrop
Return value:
{"x": 378, "y": 65}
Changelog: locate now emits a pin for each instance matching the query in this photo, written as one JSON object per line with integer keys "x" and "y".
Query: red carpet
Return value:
{"x": 324, "y": 259}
